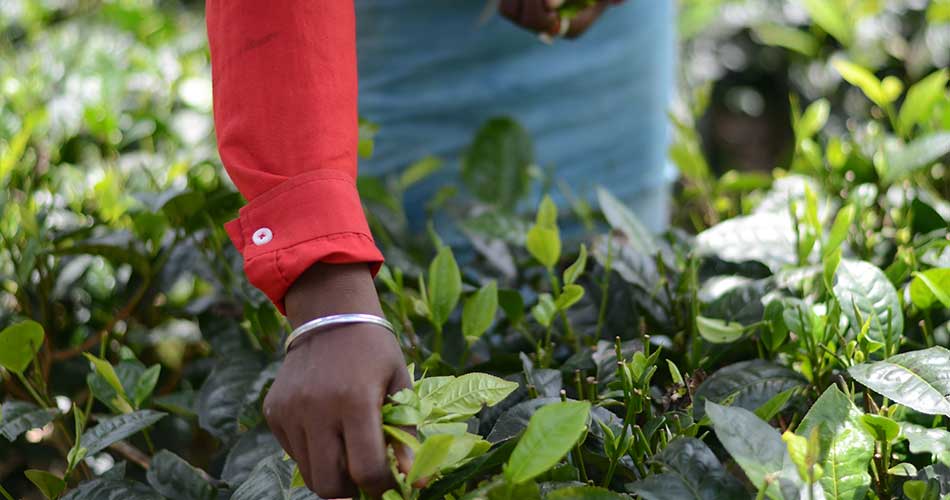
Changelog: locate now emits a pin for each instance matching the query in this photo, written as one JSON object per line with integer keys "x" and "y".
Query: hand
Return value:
{"x": 541, "y": 16}
{"x": 324, "y": 406}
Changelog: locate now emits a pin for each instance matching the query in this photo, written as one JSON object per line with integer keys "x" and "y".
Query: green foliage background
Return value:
{"x": 798, "y": 311}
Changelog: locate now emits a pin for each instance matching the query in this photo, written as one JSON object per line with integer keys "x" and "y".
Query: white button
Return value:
{"x": 262, "y": 236}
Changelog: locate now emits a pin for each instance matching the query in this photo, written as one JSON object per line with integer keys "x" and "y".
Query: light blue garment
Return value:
{"x": 431, "y": 73}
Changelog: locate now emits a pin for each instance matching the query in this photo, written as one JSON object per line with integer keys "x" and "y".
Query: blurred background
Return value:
{"x": 108, "y": 160}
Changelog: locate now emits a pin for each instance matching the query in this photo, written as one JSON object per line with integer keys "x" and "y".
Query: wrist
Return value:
{"x": 326, "y": 289}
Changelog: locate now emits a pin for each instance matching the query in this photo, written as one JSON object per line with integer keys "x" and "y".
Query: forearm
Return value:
{"x": 285, "y": 108}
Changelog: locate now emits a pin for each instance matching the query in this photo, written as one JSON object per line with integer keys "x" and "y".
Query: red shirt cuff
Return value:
{"x": 310, "y": 218}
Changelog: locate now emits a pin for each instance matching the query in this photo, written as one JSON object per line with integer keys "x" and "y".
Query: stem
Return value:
{"x": 29, "y": 387}
{"x": 148, "y": 441}
{"x": 604, "y": 287}
{"x": 6, "y": 494}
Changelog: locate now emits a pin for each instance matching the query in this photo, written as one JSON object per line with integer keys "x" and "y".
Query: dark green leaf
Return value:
{"x": 495, "y": 166}
{"x": 50, "y": 485}
{"x": 862, "y": 288}
{"x": 223, "y": 394}
{"x": 748, "y": 384}
{"x": 17, "y": 417}
{"x": 110, "y": 489}
{"x": 692, "y": 473}
{"x": 173, "y": 477}
{"x": 111, "y": 430}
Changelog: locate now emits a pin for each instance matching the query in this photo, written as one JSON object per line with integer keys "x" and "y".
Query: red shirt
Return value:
{"x": 285, "y": 84}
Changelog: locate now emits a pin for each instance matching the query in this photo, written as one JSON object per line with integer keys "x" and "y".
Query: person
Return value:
{"x": 286, "y": 87}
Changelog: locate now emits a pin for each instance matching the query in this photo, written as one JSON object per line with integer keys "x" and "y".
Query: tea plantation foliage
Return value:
{"x": 789, "y": 342}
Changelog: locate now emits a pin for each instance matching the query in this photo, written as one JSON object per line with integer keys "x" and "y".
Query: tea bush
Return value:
{"x": 790, "y": 345}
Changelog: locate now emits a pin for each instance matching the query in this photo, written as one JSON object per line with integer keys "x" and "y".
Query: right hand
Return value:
{"x": 324, "y": 406}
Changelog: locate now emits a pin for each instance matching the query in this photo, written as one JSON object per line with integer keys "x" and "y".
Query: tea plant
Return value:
{"x": 794, "y": 347}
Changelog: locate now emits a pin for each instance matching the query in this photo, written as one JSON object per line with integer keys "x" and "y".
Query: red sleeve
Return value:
{"x": 285, "y": 110}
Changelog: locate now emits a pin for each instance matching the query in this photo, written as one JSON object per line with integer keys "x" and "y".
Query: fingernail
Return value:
{"x": 554, "y": 4}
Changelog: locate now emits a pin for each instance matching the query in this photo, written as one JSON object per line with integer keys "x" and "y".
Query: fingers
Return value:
{"x": 585, "y": 19}
{"x": 328, "y": 478}
{"x": 535, "y": 15}
{"x": 366, "y": 449}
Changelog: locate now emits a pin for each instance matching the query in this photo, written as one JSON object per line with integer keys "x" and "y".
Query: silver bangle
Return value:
{"x": 336, "y": 319}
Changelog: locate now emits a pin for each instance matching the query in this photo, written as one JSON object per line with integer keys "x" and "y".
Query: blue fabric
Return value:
{"x": 431, "y": 73}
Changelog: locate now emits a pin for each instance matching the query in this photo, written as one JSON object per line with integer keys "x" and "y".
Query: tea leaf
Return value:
{"x": 111, "y": 489}
{"x": 623, "y": 219}
{"x": 861, "y": 78}
{"x": 551, "y": 433}
{"x": 748, "y": 384}
{"x": 445, "y": 286}
{"x": 479, "y": 310}
{"x": 19, "y": 344}
{"x": 918, "y": 379}
{"x": 833, "y": 17}
{"x": 468, "y": 393}
{"x": 576, "y": 269}
{"x": 862, "y": 288}
{"x": 930, "y": 287}
{"x": 757, "y": 448}
{"x": 49, "y": 485}
{"x": 173, "y": 477}
{"x": 17, "y": 417}
{"x": 718, "y": 331}
{"x": 694, "y": 474}
{"x": 921, "y": 96}
{"x": 846, "y": 446}
{"x": 429, "y": 457}
{"x": 111, "y": 430}
{"x": 495, "y": 166}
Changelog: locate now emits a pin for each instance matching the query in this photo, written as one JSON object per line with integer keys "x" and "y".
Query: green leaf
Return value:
{"x": 111, "y": 430}
{"x": 584, "y": 493}
{"x": 543, "y": 240}
{"x": 882, "y": 428}
{"x": 918, "y": 379}
{"x": 430, "y": 456}
{"x": 936, "y": 442}
{"x": 576, "y": 269}
{"x": 146, "y": 384}
{"x": 845, "y": 444}
{"x": 757, "y": 448}
{"x": 544, "y": 310}
{"x": 833, "y": 17}
{"x": 445, "y": 286}
{"x": 403, "y": 437}
{"x": 111, "y": 489}
{"x": 861, "y": 78}
{"x": 931, "y": 286}
{"x": 552, "y": 432}
{"x": 921, "y": 97}
{"x": 773, "y": 406}
{"x": 495, "y": 166}
{"x": 222, "y": 395}
{"x": 479, "y": 310}
{"x": 839, "y": 230}
{"x": 748, "y": 384}
{"x": 570, "y": 295}
{"x": 814, "y": 118}
{"x": 789, "y": 37}
{"x": 18, "y": 417}
{"x": 19, "y": 343}
{"x": 512, "y": 303}
{"x": 922, "y": 152}
{"x": 467, "y": 394}
{"x": 862, "y": 288}
{"x": 623, "y": 219}
{"x": 49, "y": 485}
{"x": 272, "y": 478}
{"x": 830, "y": 264}
{"x": 107, "y": 372}
{"x": 173, "y": 477}
{"x": 419, "y": 171}
{"x": 718, "y": 331}
{"x": 693, "y": 473}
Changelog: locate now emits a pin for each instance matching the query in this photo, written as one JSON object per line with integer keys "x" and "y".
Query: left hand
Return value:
{"x": 541, "y": 16}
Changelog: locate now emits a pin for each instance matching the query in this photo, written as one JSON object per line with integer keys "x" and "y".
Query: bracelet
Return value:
{"x": 336, "y": 319}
